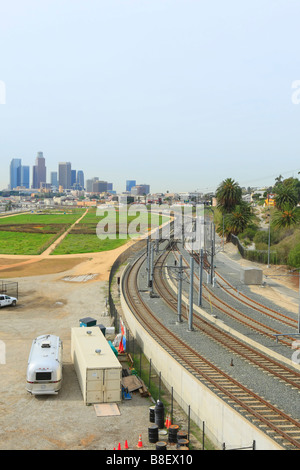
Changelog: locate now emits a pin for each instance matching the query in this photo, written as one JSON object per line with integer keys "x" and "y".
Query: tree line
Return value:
{"x": 238, "y": 214}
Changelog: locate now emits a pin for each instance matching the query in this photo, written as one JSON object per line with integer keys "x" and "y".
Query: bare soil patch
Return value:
{"x": 44, "y": 266}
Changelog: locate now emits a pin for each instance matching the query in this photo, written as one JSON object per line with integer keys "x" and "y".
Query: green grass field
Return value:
{"x": 18, "y": 243}
{"x": 31, "y": 234}
{"x": 41, "y": 219}
{"x": 86, "y": 243}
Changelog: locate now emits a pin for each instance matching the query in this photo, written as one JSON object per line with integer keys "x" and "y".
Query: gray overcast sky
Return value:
{"x": 179, "y": 94}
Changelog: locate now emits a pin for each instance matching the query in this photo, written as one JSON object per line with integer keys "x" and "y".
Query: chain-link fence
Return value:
{"x": 9, "y": 288}
{"x": 261, "y": 256}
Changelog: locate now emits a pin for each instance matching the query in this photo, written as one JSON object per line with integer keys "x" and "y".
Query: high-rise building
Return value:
{"x": 130, "y": 184}
{"x": 64, "y": 175}
{"x": 25, "y": 176}
{"x": 99, "y": 187}
{"x": 140, "y": 190}
{"x": 89, "y": 184}
{"x": 53, "y": 179}
{"x": 73, "y": 177}
{"x": 39, "y": 171}
{"x": 80, "y": 179}
{"x": 15, "y": 173}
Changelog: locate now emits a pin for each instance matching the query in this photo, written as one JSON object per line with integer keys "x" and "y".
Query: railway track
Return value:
{"x": 246, "y": 300}
{"x": 251, "y": 355}
{"x": 245, "y": 319}
{"x": 278, "y": 425}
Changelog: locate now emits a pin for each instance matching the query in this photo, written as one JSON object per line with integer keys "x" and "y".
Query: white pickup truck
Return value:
{"x": 7, "y": 300}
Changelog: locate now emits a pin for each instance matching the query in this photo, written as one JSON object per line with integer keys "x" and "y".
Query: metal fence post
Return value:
{"x": 159, "y": 385}
{"x": 189, "y": 423}
{"x": 150, "y": 372}
{"x": 172, "y": 409}
{"x": 191, "y": 294}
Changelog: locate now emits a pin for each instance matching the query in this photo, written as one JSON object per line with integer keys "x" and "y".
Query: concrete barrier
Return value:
{"x": 222, "y": 422}
{"x": 251, "y": 276}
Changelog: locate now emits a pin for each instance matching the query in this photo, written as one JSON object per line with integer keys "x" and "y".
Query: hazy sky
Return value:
{"x": 179, "y": 94}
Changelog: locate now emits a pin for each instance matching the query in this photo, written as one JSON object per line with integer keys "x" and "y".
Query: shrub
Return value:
{"x": 294, "y": 256}
{"x": 249, "y": 233}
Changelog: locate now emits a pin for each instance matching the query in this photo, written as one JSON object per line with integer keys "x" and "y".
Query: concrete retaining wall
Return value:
{"x": 222, "y": 423}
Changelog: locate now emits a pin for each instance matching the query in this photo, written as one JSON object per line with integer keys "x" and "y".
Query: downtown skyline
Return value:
{"x": 182, "y": 94}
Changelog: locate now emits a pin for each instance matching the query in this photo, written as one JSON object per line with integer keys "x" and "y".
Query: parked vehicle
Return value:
{"x": 6, "y": 300}
{"x": 44, "y": 371}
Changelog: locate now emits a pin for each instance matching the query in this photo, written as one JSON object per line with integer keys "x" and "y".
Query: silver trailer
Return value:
{"x": 44, "y": 371}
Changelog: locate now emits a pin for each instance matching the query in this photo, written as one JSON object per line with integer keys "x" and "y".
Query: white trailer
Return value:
{"x": 98, "y": 370}
{"x": 44, "y": 370}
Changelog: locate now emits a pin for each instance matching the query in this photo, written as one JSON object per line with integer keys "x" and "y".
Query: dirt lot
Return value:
{"x": 49, "y": 304}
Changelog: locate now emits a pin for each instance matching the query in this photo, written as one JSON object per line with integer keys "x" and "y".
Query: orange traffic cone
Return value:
{"x": 126, "y": 445}
{"x": 121, "y": 347}
{"x": 119, "y": 446}
{"x": 167, "y": 422}
{"x": 140, "y": 443}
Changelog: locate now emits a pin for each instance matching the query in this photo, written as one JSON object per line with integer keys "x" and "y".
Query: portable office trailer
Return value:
{"x": 98, "y": 370}
{"x": 44, "y": 370}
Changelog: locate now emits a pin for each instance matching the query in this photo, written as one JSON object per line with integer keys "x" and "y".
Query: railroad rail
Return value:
{"x": 229, "y": 310}
{"x": 251, "y": 355}
{"x": 281, "y": 427}
{"x": 246, "y": 300}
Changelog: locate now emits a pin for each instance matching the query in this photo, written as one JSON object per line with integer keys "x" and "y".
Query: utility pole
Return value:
{"x": 299, "y": 304}
{"x": 179, "y": 298}
{"x": 148, "y": 262}
{"x": 269, "y": 241}
{"x": 191, "y": 294}
{"x": 200, "y": 278}
{"x": 212, "y": 262}
{"x": 151, "y": 266}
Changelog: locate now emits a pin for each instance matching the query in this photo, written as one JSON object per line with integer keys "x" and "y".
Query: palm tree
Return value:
{"x": 286, "y": 196}
{"x": 238, "y": 220}
{"x": 228, "y": 195}
{"x": 286, "y": 217}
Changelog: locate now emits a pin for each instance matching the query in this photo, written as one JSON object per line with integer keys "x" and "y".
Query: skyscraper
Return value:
{"x": 53, "y": 179}
{"x": 140, "y": 190}
{"x": 15, "y": 173}
{"x": 80, "y": 179}
{"x": 25, "y": 176}
{"x": 99, "y": 187}
{"x": 73, "y": 177}
{"x": 130, "y": 184}
{"x": 64, "y": 175}
{"x": 39, "y": 171}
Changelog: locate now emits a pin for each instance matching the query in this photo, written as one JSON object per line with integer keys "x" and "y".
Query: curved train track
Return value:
{"x": 229, "y": 310}
{"x": 253, "y": 356}
{"x": 278, "y": 425}
{"x": 246, "y": 300}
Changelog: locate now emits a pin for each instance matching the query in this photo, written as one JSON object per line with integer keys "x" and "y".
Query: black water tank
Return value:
{"x": 159, "y": 414}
